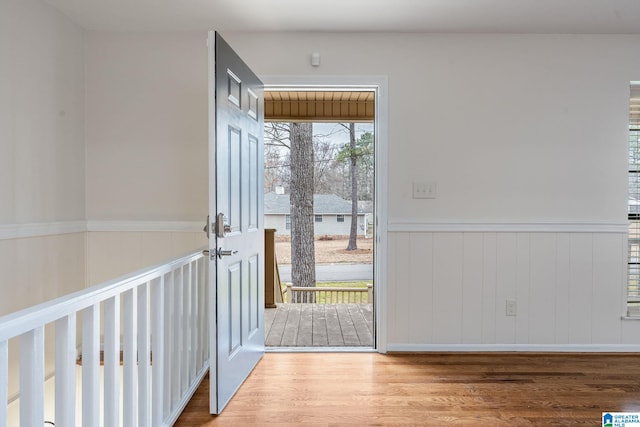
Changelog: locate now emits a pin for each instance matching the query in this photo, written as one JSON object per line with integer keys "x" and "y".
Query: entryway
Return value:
{"x": 320, "y": 203}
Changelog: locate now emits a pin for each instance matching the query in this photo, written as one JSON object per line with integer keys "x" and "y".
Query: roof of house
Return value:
{"x": 322, "y": 204}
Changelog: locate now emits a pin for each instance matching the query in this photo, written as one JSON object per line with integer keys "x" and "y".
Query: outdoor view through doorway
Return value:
{"x": 319, "y": 203}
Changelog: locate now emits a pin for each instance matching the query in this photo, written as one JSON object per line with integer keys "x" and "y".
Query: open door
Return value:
{"x": 236, "y": 170}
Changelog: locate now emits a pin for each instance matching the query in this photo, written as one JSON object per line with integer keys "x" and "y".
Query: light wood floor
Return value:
{"x": 319, "y": 325}
{"x": 367, "y": 389}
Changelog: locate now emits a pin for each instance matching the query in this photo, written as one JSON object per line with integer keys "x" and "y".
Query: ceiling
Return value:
{"x": 447, "y": 16}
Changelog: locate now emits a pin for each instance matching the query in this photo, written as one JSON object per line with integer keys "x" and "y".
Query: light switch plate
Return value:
{"x": 424, "y": 190}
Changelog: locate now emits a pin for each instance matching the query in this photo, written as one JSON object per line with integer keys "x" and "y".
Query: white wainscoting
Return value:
{"x": 114, "y": 253}
{"x": 448, "y": 285}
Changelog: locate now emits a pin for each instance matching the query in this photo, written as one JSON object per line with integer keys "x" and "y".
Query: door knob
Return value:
{"x": 225, "y": 252}
{"x": 221, "y": 227}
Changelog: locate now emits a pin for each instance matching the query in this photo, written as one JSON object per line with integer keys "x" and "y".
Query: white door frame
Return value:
{"x": 379, "y": 85}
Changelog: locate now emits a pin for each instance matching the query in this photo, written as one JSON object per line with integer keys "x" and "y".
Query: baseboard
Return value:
{"x": 541, "y": 348}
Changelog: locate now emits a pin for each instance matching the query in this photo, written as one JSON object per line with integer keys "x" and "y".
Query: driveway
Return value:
{"x": 334, "y": 272}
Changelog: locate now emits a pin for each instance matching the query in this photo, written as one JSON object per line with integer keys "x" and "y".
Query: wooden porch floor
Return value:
{"x": 319, "y": 325}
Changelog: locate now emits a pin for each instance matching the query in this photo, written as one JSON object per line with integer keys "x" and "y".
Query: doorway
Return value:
{"x": 327, "y": 179}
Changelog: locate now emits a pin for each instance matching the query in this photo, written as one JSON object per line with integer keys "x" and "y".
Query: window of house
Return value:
{"x": 633, "y": 266}
{"x": 340, "y": 218}
{"x": 287, "y": 222}
{"x": 318, "y": 218}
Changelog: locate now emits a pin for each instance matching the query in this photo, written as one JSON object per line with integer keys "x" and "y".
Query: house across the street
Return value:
{"x": 332, "y": 215}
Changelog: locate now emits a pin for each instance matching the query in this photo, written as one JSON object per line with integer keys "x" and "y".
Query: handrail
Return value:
{"x": 19, "y": 322}
{"x": 167, "y": 301}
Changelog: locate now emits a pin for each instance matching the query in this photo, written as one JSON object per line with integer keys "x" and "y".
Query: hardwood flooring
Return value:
{"x": 319, "y": 325}
{"x": 480, "y": 389}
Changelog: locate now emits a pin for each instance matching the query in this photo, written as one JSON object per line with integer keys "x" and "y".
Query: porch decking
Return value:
{"x": 319, "y": 325}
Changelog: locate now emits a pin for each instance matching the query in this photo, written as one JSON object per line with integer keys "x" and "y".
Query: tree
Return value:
{"x": 352, "y": 153}
{"x": 303, "y": 271}
{"x": 276, "y": 156}
{"x": 277, "y": 160}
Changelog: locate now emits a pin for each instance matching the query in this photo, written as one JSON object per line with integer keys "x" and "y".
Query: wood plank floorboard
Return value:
{"x": 480, "y": 389}
{"x": 319, "y": 325}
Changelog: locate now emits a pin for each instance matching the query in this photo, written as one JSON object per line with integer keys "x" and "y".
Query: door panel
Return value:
{"x": 236, "y": 181}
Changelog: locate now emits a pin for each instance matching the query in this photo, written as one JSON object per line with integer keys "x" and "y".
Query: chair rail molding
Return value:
{"x": 416, "y": 225}
{"x": 41, "y": 229}
{"x": 20, "y": 231}
{"x": 138, "y": 226}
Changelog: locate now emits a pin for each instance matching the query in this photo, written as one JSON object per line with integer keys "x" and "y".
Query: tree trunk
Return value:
{"x": 353, "y": 233}
{"x": 303, "y": 261}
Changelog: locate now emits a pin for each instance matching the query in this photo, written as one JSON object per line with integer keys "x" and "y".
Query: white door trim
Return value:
{"x": 379, "y": 85}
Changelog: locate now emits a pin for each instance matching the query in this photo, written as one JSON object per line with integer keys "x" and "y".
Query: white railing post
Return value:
{"x": 4, "y": 382}
{"x": 91, "y": 366}
{"x": 130, "y": 353}
{"x": 66, "y": 371}
{"x": 32, "y": 377}
{"x": 158, "y": 351}
{"x": 144, "y": 356}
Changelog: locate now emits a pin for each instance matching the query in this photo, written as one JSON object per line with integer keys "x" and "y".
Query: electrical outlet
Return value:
{"x": 510, "y": 307}
{"x": 424, "y": 190}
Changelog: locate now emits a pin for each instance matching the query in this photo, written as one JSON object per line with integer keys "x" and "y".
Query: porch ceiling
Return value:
{"x": 319, "y": 106}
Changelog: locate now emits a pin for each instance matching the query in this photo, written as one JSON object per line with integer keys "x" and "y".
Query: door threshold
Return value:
{"x": 320, "y": 350}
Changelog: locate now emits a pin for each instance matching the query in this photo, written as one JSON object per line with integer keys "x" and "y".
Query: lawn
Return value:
{"x": 330, "y": 250}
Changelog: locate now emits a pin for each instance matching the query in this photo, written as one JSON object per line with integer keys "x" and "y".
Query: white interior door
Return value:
{"x": 236, "y": 170}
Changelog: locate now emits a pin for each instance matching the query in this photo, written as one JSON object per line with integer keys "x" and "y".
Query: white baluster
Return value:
{"x": 203, "y": 303}
{"x": 130, "y": 368}
{"x": 158, "y": 349}
{"x": 144, "y": 353}
{"x": 193, "y": 345}
{"x": 4, "y": 381}
{"x": 185, "y": 310}
{"x": 66, "y": 371}
{"x": 169, "y": 359}
{"x": 176, "y": 335}
{"x": 91, "y": 366}
{"x": 32, "y": 377}
{"x": 112, "y": 362}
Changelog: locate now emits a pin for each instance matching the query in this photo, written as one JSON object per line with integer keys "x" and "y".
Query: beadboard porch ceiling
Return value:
{"x": 319, "y": 106}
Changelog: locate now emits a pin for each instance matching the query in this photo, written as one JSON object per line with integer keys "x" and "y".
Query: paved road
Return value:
{"x": 334, "y": 272}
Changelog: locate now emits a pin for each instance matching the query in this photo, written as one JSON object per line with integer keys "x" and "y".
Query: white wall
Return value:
{"x": 146, "y": 128}
{"x": 525, "y": 136}
{"x": 42, "y": 240}
{"x": 147, "y": 148}
{"x": 115, "y": 253}
{"x": 511, "y": 127}
{"x": 41, "y": 153}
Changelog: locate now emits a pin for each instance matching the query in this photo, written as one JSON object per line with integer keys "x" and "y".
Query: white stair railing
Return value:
{"x": 163, "y": 339}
